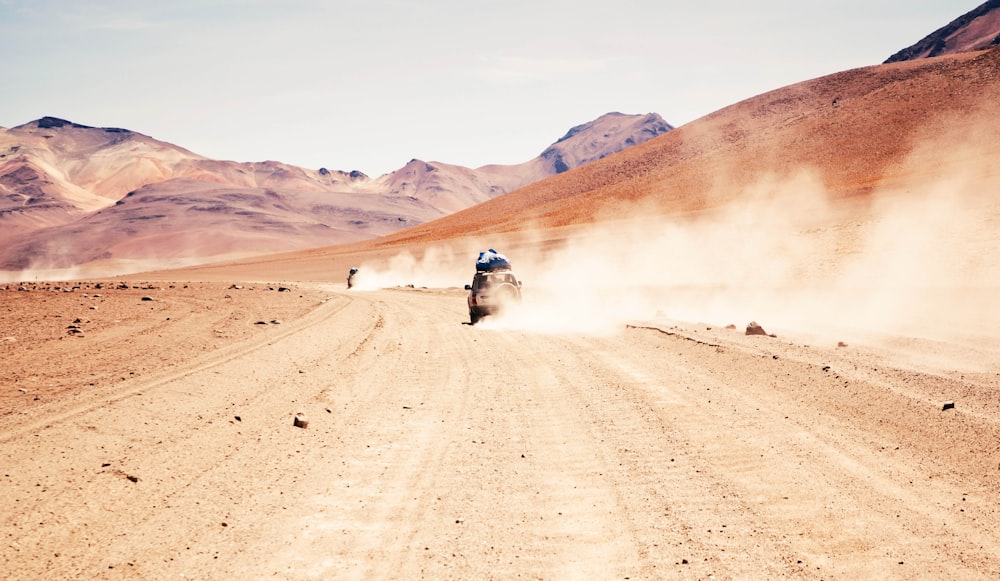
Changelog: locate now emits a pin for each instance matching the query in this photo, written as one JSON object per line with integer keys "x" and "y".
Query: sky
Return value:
{"x": 370, "y": 84}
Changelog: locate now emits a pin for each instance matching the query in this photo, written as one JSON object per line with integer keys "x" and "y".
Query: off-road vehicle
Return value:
{"x": 491, "y": 292}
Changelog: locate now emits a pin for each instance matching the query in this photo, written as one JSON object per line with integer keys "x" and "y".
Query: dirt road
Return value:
{"x": 435, "y": 449}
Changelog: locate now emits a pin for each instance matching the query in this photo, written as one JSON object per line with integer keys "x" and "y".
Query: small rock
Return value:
{"x": 841, "y": 344}
{"x": 260, "y": 323}
{"x": 146, "y": 298}
{"x": 132, "y": 478}
{"x": 948, "y": 405}
{"x": 300, "y": 421}
{"x": 755, "y": 329}
{"x": 275, "y": 322}
{"x": 284, "y": 289}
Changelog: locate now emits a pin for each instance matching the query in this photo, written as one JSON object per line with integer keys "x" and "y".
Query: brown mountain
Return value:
{"x": 976, "y": 30}
{"x": 71, "y": 194}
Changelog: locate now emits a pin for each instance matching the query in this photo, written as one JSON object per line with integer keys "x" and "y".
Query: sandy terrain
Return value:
{"x": 162, "y": 444}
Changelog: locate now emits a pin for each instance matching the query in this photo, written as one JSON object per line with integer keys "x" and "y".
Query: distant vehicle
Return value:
{"x": 491, "y": 292}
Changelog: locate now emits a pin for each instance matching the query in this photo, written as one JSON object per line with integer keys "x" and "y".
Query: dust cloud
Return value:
{"x": 918, "y": 260}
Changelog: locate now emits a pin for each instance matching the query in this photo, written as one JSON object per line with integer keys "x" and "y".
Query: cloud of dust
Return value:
{"x": 916, "y": 259}
{"x": 442, "y": 266}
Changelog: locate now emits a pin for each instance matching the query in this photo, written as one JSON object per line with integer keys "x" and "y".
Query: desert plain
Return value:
{"x": 620, "y": 423}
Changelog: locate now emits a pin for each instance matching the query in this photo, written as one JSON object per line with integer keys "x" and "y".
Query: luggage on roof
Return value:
{"x": 491, "y": 260}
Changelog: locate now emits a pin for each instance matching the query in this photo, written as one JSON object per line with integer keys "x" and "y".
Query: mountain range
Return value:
{"x": 72, "y": 194}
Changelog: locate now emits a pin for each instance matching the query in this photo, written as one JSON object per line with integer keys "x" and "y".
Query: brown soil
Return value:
{"x": 161, "y": 444}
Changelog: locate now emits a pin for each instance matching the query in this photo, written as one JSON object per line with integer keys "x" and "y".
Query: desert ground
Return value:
{"x": 147, "y": 432}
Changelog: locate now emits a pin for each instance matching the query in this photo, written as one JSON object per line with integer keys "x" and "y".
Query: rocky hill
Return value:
{"x": 975, "y": 30}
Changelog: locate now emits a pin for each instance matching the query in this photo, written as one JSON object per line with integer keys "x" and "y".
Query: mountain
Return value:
{"x": 71, "y": 194}
{"x": 976, "y": 30}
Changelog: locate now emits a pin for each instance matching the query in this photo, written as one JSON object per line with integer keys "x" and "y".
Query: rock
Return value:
{"x": 948, "y": 405}
{"x": 300, "y": 421}
{"x": 275, "y": 322}
{"x": 260, "y": 323}
{"x": 146, "y": 298}
{"x": 235, "y": 287}
{"x": 284, "y": 289}
{"x": 755, "y": 329}
{"x": 841, "y": 344}
{"x": 8, "y": 340}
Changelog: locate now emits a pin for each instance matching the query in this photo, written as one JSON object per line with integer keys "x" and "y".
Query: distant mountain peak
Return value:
{"x": 49, "y": 122}
{"x": 52, "y": 123}
{"x": 975, "y": 30}
{"x": 608, "y": 134}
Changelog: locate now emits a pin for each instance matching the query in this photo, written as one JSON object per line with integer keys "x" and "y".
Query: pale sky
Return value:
{"x": 370, "y": 84}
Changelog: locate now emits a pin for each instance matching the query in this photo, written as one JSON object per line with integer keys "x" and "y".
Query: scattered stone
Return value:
{"x": 238, "y": 418}
{"x": 948, "y": 405}
{"x": 826, "y": 368}
{"x": 22, "y": 390}
{"x": 235, "y": 287}
{"x": 260, "y": 323}
{"x": 841, "y": 344}
{"x": 275, "y": 322}
{"x": 132, "y": 478}
{"x": 755, "y": 329}
{"x": 731, "y": 326}
{"x": 284, "y": 289}
{"x": 147, "y": 298}
{"x": 300, "y": 421}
